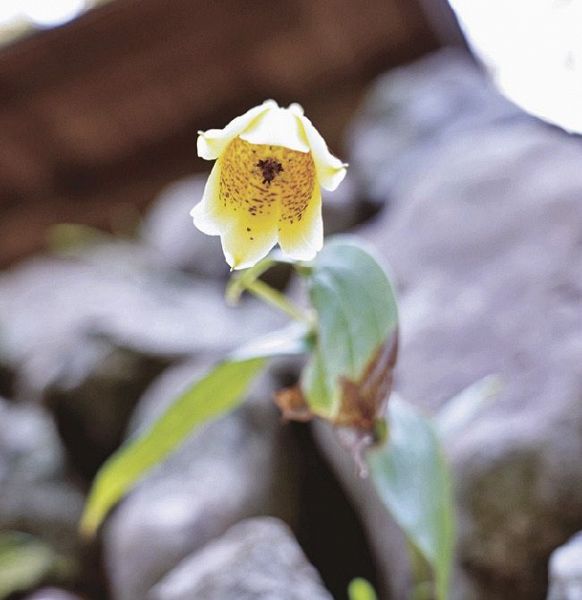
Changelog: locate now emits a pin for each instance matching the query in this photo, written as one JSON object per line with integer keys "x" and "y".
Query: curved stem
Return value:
{"x": 271, "y": 296}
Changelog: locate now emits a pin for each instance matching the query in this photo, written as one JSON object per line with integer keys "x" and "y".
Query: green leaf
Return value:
{"x": 361, "y": 589}
{"x": 24, "y": 562}
{"x": 212, "y": 395}
{"x": 412, "y": 479}
{"x": 357, "y": 316}
{"x": 217, "y": 392}
{"x": 70, "y": 238}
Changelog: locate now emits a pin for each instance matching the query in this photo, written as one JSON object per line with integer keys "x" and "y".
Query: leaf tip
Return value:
{"x": 361, "y": 589}
{"x": 88, "y": 525}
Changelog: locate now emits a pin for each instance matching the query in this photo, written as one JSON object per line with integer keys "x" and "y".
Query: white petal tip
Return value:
{"x": 239, "y": 266}
{"x": 296, "y": 109}
{"x": 331, "y": 181}
{"x": 204, "y": 223}
{"x": 203, "y": 148}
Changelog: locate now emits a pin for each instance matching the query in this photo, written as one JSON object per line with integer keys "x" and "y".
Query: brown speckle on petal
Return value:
{"x": 268, "y": 182}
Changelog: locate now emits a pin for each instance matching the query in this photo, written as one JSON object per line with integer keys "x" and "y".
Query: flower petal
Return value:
{"x": 296, "y": 109}
{"x": 242, "y": 205}
{"x": 263, "y": 188}
{"x": 204, "y": 214}
{"x": 243, "y": 250}
{"x": 302, "y": 238}
{"x": 330, "y": 169}
{"x": 277, "y": 127}
{"x": 212, "y": 143}
{"x": 246, "y": 236}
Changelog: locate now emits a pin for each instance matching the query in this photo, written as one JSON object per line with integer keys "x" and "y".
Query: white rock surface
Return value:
{"x": 566, "y": 570}
{"x": 257, "y": 559}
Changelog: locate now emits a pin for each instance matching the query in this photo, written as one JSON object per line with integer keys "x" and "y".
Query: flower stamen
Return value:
{"x": 270, "y": 169}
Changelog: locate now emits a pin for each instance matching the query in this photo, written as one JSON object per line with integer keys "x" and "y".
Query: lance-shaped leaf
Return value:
{"x": 350, "y": 373}
{"x": 219, "y": 391}
{"x": 412, "y": 479}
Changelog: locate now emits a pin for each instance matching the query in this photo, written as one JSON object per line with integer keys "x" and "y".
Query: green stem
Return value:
{"x": 265, "y": 292}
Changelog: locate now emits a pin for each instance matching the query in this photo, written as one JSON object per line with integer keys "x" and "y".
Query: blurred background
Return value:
{"x": 460, "y": 125}
{"x": 99, "y": 113}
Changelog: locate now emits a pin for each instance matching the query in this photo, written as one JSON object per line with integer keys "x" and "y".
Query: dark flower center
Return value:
{"x": 270, "y": 169}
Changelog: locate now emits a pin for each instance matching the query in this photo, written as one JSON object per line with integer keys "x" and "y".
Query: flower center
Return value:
{"x": 265, "y": 182}
{"x": 270, "y": 169}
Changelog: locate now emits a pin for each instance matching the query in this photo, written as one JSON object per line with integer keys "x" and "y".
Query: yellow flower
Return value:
{"x": 264, "y": 187}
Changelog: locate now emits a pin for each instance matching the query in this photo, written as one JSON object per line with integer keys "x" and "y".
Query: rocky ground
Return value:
{"x": 479, "y": 216}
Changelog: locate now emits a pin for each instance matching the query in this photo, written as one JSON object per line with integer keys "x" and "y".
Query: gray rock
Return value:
{"x": 411, "y": 111}
{"x": 257, "y": 559}
{"x": 566, "y": 571}
{"x": 235, "y": 467}
{"x": 385, "y": 538}
{"x": 169, "y": 231}
{"x": 484, "y": 237}
{"x": 88, "y": 333}
{"x": 36, "y": 496}
{"x": 345, "y": 207}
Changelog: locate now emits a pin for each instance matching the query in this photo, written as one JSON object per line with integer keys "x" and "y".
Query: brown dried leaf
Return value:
{"x": 292, "y": 403}
{"x": 363, "y": 401}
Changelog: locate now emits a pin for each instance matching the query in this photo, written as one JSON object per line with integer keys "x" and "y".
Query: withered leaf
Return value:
{"x": 363, "y": 401}
{"x": 292, "y": 404}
